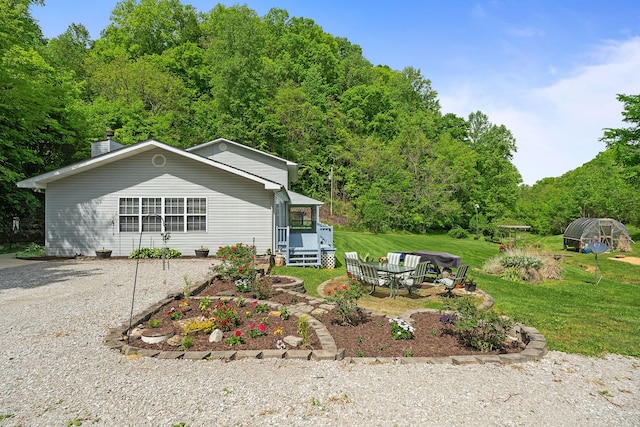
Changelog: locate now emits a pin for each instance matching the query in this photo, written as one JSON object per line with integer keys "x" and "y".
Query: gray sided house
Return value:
{"x": 215, "y": 194}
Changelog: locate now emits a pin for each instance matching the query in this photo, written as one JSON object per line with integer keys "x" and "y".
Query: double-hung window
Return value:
{"x": 162, "y": 214}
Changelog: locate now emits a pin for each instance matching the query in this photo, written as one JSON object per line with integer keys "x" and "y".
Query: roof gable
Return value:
{"x": 292, "y": 167}
{"x": 41, "y": 181}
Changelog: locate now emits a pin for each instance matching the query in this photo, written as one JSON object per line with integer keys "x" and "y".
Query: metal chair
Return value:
{"x": 370, "y": 277}
{"x": 394, "y": 258}
{"x": 416, "y": 277}
{"x": 352, "y": 255}
{"x": 353, "y": 267}
{"x": 411, "y": 260}
{"x": 451, "y": 283}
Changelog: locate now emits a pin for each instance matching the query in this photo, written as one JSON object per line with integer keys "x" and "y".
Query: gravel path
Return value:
{"x": 55, "y": 370}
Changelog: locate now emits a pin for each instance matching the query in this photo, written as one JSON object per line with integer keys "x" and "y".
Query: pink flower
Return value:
{"x": 262, "y": 327}
{"x": 251, "y": 326}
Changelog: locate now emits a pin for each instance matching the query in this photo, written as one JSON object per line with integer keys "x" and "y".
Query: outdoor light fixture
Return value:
{"x": 477, "y": 206}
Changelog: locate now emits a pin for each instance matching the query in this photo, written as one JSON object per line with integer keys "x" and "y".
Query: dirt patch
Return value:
{"x": 630, "y": 259}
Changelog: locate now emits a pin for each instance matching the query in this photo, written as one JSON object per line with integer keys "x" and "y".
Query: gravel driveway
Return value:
{"x": 55, "y": 370}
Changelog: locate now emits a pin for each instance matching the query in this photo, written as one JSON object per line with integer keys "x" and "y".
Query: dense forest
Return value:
{"x": 278, "y": 83}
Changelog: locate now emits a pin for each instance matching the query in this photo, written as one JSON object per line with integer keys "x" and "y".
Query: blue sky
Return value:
{"x": 548, "y": 70}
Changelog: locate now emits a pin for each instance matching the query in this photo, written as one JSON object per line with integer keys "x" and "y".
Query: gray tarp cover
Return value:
{"x": 441, "y": 259}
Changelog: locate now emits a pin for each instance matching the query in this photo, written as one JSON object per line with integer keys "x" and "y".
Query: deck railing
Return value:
{"x": 291, "y": 242}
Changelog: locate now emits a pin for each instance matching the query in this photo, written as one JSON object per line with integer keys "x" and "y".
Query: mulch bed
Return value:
{"x": 370, "y": 338}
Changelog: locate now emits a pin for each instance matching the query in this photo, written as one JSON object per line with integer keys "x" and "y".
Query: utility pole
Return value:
{"x": 331, "y": 191}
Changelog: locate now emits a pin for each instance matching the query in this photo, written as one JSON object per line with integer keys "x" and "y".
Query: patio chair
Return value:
{"x": 352, "y": 255}
{"x": 450, "y": 283}
{"x": 371, "y": 278}
{"x": 353, "y": 266}
{"x": 393, "y": 258}
{"x": 410, "y": 261}
{"x": 416, "y": 277}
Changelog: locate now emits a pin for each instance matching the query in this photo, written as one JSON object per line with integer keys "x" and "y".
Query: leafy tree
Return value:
{"x": 497, "y": 191}
{"x": 626, "y": 141}
{"x": 148, "y": 27}
{"x": 41, "y": 125}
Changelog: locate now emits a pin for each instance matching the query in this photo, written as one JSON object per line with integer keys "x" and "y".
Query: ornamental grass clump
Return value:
{"x": 522, "y": 266}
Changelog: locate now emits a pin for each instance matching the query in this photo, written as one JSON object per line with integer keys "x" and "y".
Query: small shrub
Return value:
{"x": 284, "y": 312}
{"x": 224, "y": 316}
{"x": 196, "y": 325}
{"x": 261, "y": 308}
{"x": 237, "y": 262}
{"x": 458, "y": 233}
{"x": 256, "y": 331}
{"x": 346, "y": 298}
{"x": 235, "y": 339}
{"x": 204, "y": 303}
{"x": 401, "y": 329}
{"x": 155, "y": 253}
{"x": 303, "y": 330}
{"x": 186, "y": 343}
{"x": 33, "y": 250}
{"x": 483, "y": 330}
{"x": 263, "y": 289}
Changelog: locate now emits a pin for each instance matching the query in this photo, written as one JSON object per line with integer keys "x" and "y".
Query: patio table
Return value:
{"x": 395, "y": 270}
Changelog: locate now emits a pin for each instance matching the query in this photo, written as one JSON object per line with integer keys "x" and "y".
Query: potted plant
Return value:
{"x": 202, "y": 252}
{"x": 470, "y": 285}
{"x": 103, "y": 253}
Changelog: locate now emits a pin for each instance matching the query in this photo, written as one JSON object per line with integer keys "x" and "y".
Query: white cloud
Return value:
{"x": 557, "y": 127}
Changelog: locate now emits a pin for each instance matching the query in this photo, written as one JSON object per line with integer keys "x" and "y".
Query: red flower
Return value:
{"x": 238, "y": 333}
{"x": 251, "y": 326}
{"x": 262, "y": 327}
{"x": 355, "y": 279}
{"x": 329, "y": 292}
{"x": 255, "y": 303}
{"x": 335, "y": 288}
{"x": 349, "y": 273}
{"x": 344, "y": 287}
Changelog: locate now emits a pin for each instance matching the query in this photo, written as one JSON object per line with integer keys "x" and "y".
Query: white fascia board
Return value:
{"x": 41, "y": 181}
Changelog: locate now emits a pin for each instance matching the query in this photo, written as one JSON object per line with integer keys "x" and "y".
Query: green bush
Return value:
{"x": 32, "y": 251}
{"x": 155, "y": 253}
{"x": 458, "y": 233}
{"x": 237, "y": 262}
{"x": 483, "y": 330}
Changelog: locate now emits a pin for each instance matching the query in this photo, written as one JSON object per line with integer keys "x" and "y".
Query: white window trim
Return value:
{"x": 163, "y": 214}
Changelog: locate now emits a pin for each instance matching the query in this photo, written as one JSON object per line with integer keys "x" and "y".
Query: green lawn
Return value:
{"x": 574, "y": 314}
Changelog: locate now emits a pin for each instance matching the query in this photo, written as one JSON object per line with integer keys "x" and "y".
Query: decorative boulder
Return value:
{"x": 216, "y": 336}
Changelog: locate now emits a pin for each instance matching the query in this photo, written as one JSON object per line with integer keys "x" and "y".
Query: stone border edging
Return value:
{"x": 536, "y": 344}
